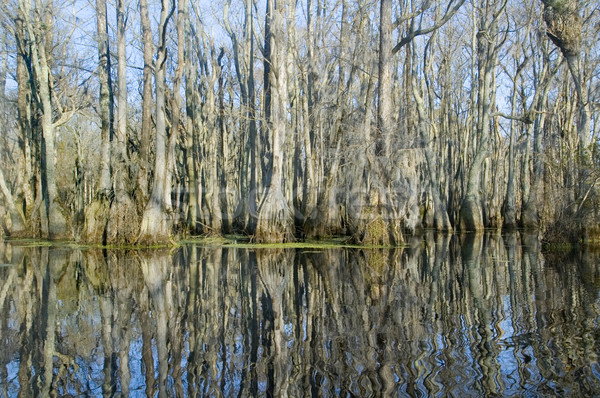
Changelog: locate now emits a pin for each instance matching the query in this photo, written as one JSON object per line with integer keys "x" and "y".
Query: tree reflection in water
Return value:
{"x": 475, "y": 315}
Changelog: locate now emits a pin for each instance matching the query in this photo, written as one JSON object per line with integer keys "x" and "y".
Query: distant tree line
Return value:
{"x": 129, "y": 122}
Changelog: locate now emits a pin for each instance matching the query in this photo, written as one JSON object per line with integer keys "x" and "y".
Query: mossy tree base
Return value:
{"x": 275, "y": 223}
{"x": 529, "y": 217}
{"x": 155, "y": 226}
{"x": 96, "y": 217}
{"x": 58, "y": 224}
{"x": 16, "y": 224}
{"x": 123, "y": 222}
{"x": 325, "y": 220}
{"x": 377, "y": 226}
{"x": 509, "y": 221}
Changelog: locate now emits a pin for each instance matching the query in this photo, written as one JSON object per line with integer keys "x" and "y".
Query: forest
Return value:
{"x": 137, "y": 122}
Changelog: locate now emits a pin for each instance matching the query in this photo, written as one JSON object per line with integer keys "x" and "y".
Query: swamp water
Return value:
{"x": 451, "y": 316}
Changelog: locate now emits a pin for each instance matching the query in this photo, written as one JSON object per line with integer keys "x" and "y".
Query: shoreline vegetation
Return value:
{"x": 142, "y": 125}
{"x": 207, "y": 241}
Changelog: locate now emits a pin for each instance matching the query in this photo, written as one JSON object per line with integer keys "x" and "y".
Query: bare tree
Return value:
{"x": 275, "y": 220}
{"x": 96, "y": 217}
{"x": 155, "y": 225}
{"x": 40, "y": 41}
{"x": 486, "y": 45}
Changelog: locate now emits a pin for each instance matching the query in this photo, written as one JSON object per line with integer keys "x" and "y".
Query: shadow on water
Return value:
{"x": 472, "y": 315}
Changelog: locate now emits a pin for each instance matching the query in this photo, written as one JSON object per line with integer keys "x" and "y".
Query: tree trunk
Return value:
{"x": 25, "y": 127}
{"x": 441, "y": 221}
{"x": 320, "y": 205}
{"x": 146, "y": 132}
{"x": 97, "y": 213}
{"x": 275, "y": 222}
{"x": 252, "y": 129}
{"x": 191, "y": 131}
{"x": 155, "y": 225}
{"x": 509, "y": 210}
{"x": 379, "y": 222}
{"x": 532, "y": 201}
{"x": 471, "y": 216}
{"x": 58, "y": 227}
{"x": 123, "y": 219}
{"x": 265, "y": 149}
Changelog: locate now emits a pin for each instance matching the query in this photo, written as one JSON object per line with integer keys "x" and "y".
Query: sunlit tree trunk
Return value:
{"x": 21, "y": 205}
{"x": 176, "y": 125}
{"x": 155, "y": 225}
{"x": 192, "y": 113}
{"x": 40, "y": 42}
{"x": 509, "y": 209}
{"x": 123, "y": 219}
{"x": 146, "y": 132}
{"x": 96, "y": 215}
{"x": 440, "y": 214}
{"x": 275, "y": 222}
{"x": 379, "y": 222}
{"x": 486, "y": 49}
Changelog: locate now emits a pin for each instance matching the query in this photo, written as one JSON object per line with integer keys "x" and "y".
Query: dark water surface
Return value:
{"x": 452, "y": 316}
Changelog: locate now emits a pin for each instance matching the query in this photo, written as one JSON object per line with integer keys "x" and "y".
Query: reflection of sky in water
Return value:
{"x": 12, "y": 369}
{"x": 506, "y": 358}
{"x": 137, "y": 384}
{"x": 350, "y": 329}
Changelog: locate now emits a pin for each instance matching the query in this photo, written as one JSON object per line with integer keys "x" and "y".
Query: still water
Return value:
{"x": 451, "y": 316}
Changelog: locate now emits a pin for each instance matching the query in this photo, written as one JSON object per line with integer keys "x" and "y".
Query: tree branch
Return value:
{"x": 423, "y": 31}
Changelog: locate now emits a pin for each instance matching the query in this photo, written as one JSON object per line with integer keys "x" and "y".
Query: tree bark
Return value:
{"x": 123, "y": 220}
{"x": 275, "y": 222}
{"x": 147, "y": 103}
{"x": 379, "y": 222}
{"x": 58, "y": 226}
{"x": 191, "y": 134}
{"x": 486, "y": 50}
{"x": 440, "y": 214}
{"x": 155, "y": 224}
{"x": 25, "y": 125}
{"x": 97, "y": 213}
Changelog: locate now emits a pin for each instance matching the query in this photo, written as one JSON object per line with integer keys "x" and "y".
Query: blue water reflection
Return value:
{"x": 450, "y": 316}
